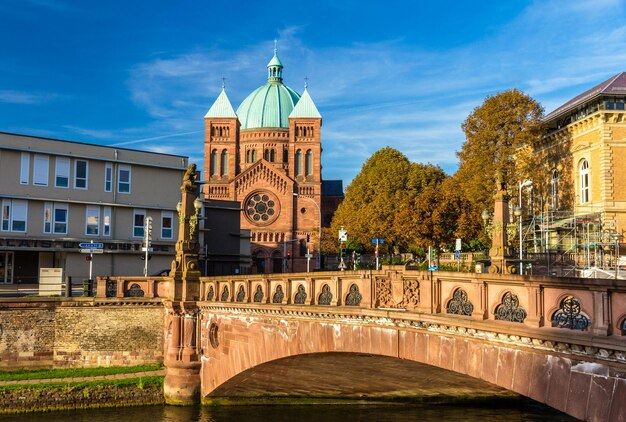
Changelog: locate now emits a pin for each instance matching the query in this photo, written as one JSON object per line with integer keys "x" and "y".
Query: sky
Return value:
{"x": 141, "y": 74}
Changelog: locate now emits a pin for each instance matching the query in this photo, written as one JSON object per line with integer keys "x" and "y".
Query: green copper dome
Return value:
{"x": 271, "y": 104}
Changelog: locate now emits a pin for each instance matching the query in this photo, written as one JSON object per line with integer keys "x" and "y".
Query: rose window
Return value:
{"x": 261, "y": 208}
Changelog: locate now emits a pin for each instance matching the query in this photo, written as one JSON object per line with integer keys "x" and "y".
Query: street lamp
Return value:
{"x": 319, "y": 234}
{"x": 518, "y": 213}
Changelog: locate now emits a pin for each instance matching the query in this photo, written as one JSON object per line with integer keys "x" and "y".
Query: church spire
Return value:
{"x": 275, "y": 68}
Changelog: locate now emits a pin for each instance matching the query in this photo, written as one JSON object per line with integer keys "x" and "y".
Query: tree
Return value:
{"x": 378, "y": 194}
{"x": 438, "y": 216}
{"x": 495, "y": 132}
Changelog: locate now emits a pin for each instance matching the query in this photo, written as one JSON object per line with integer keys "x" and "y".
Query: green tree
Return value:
{"x": 495, "y": 132}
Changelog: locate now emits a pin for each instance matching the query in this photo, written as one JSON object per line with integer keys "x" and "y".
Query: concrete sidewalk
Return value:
{"x": 160, "y": 372}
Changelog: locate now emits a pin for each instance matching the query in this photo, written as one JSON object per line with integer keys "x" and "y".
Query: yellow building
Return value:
{"x": 590, "y": 130}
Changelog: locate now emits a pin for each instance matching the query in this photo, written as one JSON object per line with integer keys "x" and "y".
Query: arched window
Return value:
{"x": 253, "y": 155}
{"x": 554, "y": 183}
{"x": 272, "y": 155}
{"x": 214, "y": 162}
{"x": 266, "y": 155}
{"x": 248, "y": 156}
{"x": 308, "y": 163}
{"x": 584, "y": 182}
{"x": 285, "y": 155}
{"x": 224, "y": 163}
{"x": 298, "y": 163}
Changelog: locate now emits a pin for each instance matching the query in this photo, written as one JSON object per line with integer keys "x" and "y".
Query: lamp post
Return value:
{"x": 518, "y": 213}
{"x": 319, "y": 234}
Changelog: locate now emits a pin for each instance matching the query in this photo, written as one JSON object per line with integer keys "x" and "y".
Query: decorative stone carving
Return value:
{"x": 411, "y": 294}
{"x": 211, "y": 294}
{"x": 383, "y": 293}
{"x": 111, "y": 288}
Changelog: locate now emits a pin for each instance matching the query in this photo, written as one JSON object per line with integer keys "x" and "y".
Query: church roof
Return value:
{"x": 332, "y": 188}
{"x": 305, "y": 107}
{"x": 615, "y": 85}
{"x": 271, "y": 104}
{"x": 221, "y": 107}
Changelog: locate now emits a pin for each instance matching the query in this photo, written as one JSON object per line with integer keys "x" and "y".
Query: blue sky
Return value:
{"x": 142, "y": 74}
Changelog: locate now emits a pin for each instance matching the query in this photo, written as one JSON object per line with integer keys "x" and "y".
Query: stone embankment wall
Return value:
{"x": 69, "y": 397}
{"x": 40, "y": 332}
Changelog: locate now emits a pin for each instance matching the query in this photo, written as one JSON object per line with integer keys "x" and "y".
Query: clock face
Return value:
{"x": 261, "y": 208}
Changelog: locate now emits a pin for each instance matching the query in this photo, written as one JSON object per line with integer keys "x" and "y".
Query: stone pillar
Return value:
{"x": 182, "y": 362}
{"x": 499, "y": 253}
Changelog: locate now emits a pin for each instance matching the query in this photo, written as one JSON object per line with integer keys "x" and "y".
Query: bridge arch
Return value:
{"x": 248, "y": 338}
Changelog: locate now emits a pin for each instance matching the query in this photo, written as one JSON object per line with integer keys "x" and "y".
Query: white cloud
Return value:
{"x": 388, "y": 93}
{"x": 19, "y": 97}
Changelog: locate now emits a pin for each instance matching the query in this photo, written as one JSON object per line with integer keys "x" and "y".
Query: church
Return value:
{"x": 267, "y": 156}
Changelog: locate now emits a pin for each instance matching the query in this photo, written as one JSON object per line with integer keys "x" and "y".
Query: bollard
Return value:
{"x": 68, "y": 287}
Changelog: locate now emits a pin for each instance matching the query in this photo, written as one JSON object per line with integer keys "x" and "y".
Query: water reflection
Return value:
{"x": 525, "y": 410}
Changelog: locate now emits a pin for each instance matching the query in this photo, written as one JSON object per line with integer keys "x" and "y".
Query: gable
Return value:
{"x": 259, "y": 172}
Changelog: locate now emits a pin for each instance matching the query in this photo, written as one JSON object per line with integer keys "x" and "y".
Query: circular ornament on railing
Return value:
{"x": 459, "y": 304}
{"x": 261, "y": 208}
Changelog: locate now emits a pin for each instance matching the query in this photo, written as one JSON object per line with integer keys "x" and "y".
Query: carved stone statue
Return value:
{"x": 189, "y": 179}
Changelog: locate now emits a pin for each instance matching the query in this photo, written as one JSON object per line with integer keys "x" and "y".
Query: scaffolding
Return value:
{"x": 562, "y": 244}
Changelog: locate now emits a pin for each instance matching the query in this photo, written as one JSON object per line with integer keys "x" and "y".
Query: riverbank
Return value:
{"x": 116, "y": 390}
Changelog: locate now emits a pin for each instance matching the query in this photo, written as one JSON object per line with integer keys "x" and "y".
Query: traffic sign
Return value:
{"x": 92, "y": 250}
{"x": 143, "y": 249}
{"x": 378, "y": 240}
{"x": 91, "y": 245}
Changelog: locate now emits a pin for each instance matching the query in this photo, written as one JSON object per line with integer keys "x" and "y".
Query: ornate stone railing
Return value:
{"x": 584, "y": 307}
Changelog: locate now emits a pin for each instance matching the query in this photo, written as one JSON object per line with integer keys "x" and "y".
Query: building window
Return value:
{"x": 81, "y": 169}
{"x": 224, "y": 163}
{"x": 254, "y": 155}
{"x": 14, "y": 215}
{"x": 214, "y": 162}
{"x": 47, "y": 217}
{"x": 62, "y": 173}
{"x": 123, "y": 179}
{"x": 285, "y": 155}
{"x": 554, "y": 187}
{"x": 298, "y": 163}
{"x": 25, "y": 169}
{"x": 106, "y": 221}
{"x": 41, "y": 169}
{"x": 308, "y": 163}
{"x": 60, "y": 217}
{"x": 108, "y": 177}
{"x": 92, "y": 221}
{"x": 584, "y": 182}
{"x": 139, "y": 217}
{"x": 167, "y": 219}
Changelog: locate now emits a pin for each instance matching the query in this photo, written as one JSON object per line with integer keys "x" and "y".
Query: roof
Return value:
{"x": 305, "y": 107}
{"x": 332, "y": 187}
{"x": 615, "y": 85}
{"x": 221, "y": 107}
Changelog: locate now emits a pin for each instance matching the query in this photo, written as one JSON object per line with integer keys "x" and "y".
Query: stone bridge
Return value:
{"x": 558, "y": 341}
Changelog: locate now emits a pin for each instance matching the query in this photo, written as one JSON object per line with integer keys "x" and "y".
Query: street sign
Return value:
{"x": 308, "y": 256}
{"x": 143, "y": 249}
{"x": 92, "y": 250}
{"x": 378, "y": 240}
{"x": 458, "y": 244}
{"x": 342, "y": 265}
{"x": 91, "y": 245}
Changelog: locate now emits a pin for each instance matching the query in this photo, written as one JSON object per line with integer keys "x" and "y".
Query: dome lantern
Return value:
{"x": 275, "y": 68}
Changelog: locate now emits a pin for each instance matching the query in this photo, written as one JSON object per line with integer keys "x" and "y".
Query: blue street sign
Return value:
{"x": 457, "y": 254}
{"x": 377, "y": 240}
{"x": 91, "y": 245}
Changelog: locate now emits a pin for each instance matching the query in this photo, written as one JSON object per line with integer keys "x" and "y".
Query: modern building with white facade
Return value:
{"x": 57, "y": 194}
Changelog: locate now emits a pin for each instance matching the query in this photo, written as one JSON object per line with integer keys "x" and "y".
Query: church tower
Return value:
{"x": 267, "y": 156}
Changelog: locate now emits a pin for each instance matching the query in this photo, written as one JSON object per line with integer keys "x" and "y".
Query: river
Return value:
{"x": 524, "y": 410}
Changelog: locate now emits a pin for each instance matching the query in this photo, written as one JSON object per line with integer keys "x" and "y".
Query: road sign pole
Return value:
{"x": 377, "y": 254}
{"x": 308, "y": 259}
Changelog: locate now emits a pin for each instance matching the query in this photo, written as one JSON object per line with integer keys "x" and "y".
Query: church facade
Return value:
{"x": 267, "y": 156}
